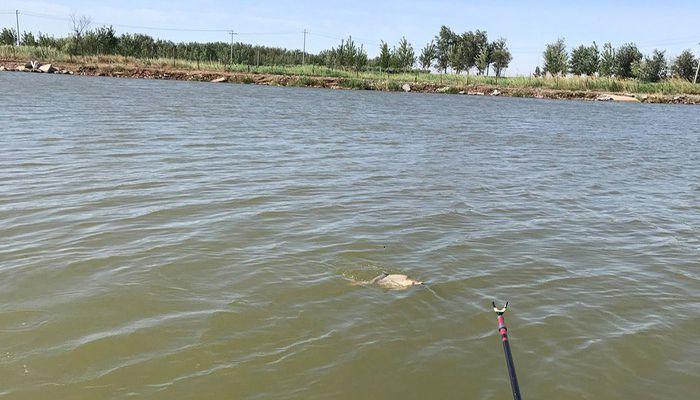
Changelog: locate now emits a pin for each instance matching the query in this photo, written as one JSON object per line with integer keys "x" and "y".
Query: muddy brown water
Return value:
{"x": 176, "y": 240}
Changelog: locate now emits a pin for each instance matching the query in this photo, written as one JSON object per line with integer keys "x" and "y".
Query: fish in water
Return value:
{"x": 394, "y": 281}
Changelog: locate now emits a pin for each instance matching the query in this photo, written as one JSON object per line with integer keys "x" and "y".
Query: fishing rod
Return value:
{"x": 506, "y": 348}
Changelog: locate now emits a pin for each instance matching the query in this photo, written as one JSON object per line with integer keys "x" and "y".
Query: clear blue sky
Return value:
{"x": 528, "y": 25}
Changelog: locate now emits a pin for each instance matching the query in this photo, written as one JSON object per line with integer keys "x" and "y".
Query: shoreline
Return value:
{"x": 137, "y": 72}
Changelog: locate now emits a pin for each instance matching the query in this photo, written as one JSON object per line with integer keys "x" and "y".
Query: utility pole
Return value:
{"x": 17, "y": 18}
{"x": 696, "y": 71}
{"x": 303, "y": 54}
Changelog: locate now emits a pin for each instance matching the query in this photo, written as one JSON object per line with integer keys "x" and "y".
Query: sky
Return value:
{"x": 527, "y": 25}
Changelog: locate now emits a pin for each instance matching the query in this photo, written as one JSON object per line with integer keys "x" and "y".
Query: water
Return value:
{"x": 174, "y": 240}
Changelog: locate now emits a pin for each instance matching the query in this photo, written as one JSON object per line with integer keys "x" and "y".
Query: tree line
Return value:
{"x": 625, "y": 61}
{"x": 448, "y": 50}
{"x": 458, "y": 52}
{"x": 464, "y": 52}
{"x": 105, "y": 41}
{"x": 346, "y": 55}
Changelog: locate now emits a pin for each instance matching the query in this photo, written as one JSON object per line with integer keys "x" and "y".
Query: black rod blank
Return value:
{"x": 506, "y": 349}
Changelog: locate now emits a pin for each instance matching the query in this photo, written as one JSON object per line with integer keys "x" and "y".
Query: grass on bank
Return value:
{"x": 364, "y": 79}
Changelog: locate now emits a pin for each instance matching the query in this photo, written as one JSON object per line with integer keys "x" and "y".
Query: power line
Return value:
{"x": 45, "y": 16}
{"x": 155, "y": 28}
{"x": 669, "y": 41}
{"x": 675, "y": 43}
{"x": 325, "y": 36}
{"x": 363, "y": 42}
{"x": 269, "y": 33}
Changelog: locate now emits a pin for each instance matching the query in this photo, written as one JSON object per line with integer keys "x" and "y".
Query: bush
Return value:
{"x": 651, "y": 69}
{"x": 8, "y": 37}
{"x": 303, "y": 81}
{"x": 393, "y": 86}
{"x": 626, "y": 56}
{"x": 685, "y": 65}
{"x": 353, "y": 83}
{"x": 556, "y": 58}
{"x": 584, "y": 60}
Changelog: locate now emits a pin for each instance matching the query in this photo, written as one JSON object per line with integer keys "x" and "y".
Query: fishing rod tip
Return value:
{"x": 497, "y": 309}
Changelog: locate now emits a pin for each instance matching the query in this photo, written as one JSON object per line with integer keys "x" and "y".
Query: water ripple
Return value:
{"x": 188, "y": 240}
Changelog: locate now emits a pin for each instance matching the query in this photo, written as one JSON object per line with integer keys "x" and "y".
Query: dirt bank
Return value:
{"x": 121, "y": 71}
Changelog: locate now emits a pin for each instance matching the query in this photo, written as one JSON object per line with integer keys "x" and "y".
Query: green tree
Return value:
{"x": 555, "y": 58}
{"x": 444, "y": 41}
{"x": 651, "y": 69}
{"x": 71, "y": 47}
{"x": 625, "y": 56}
{"x": 480, "y": 40}
{"x": 427, "y": 55}
{"x": 107, "y": 41}
{"x": 49, "y": 41}
{"x": 143, "y": 46}
{"x": 468, "y": 49}
{"x": 384, "y": 55}
{"x": 346, "y": 53}
{"x": 456, "y": 59}
{"x": 584, "y": 60}
{"x": 483, "y": 59}
{"x": 685, "y": 65}
{"x": 80, "y": 26}
{"x": 606, "y": 66}
{"x": 405, "y": 56}
{"x": 8, "y": 37}
{"x": 28, "y": 39}
{"x": 537, "y": 72}
{"x": 360, "y": 59}
{"x": 394, "y": 62}
{"x": 500, "y": 56}
{"x": 343, "y": 51}
{"x": 465, "y": 50}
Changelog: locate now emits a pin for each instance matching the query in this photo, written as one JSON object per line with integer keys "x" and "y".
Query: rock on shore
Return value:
{"x": 47, "y": 68}
{"x": 617, "y": 97}
{"x": 32, "y": 66}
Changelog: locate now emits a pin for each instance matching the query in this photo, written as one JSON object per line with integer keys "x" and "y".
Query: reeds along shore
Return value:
{"x": 574, "y": 87}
